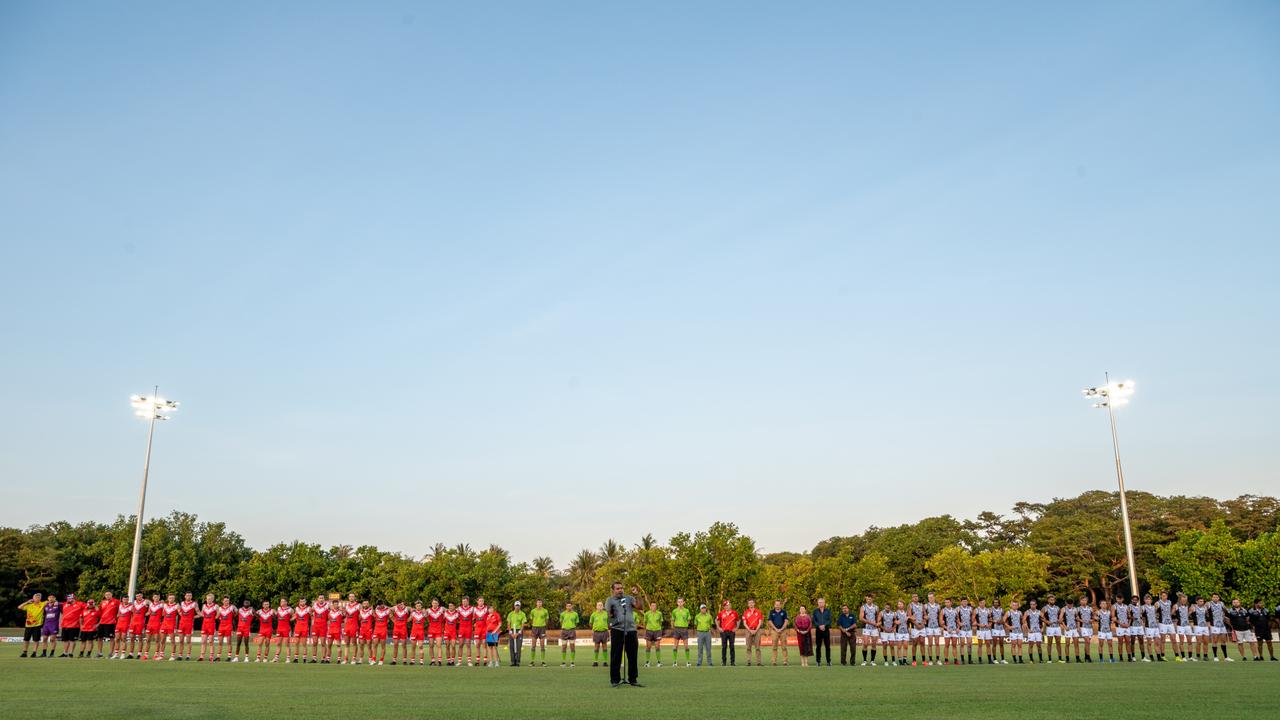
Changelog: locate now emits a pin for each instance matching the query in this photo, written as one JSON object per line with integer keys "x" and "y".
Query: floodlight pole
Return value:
{"x": 142, "y": 503}
{"x": 1124, "y": 503}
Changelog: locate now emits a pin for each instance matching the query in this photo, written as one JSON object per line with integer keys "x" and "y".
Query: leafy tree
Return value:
{"x": 1198, "y": 562}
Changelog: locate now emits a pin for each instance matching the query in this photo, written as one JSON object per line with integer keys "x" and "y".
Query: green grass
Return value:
{"x": 64, "y": 688}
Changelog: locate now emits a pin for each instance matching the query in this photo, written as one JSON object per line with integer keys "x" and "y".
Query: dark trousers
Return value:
{"x": 849, "y": 644}
{"x": 515, "y": 641}
{"x": 728, "y": 647}
{"x": 822, "y": 638}
{"x": 621, "y": 641}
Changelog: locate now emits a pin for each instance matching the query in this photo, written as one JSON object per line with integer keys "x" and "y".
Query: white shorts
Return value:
{"x": 1053, "y": 632}
{"x": 1034, "y": 637}
{"x": 1104, "y": 635}
{"x": 1072, "y": 634}
{"x": 1184, "y": 630}
{"x": 1217, "y": 631}
{"x": 933, "y": 632}
{"x": 1202, "y": 631}
{"x": 997, "y": 632}
{"x": 1122, "y": 632}
{"x": 916, "y": 633}
{"x": 1015, "y": 636}
{"x": 1086, "y": 632}
{"x": 984, "y": 634}
{"x": 870, "y": 632}
{"x": 1153, "y": 632}
{"x": 903, "y": 637}
{"x": 1245, "y": 636}
{"x": 1166, "y": 629}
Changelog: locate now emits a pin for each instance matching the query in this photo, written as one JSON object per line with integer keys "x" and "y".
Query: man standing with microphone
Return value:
{"x": 621, "y": 609}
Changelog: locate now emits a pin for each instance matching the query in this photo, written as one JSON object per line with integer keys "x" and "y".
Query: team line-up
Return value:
{"x": 928, "y": 633}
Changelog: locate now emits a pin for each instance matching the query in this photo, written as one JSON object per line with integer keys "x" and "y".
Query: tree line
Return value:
{"x": 1068, "y": 546}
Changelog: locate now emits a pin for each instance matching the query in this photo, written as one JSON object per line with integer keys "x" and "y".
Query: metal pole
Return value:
{"x": 142, "y": 502}
{"x": 1124, "y": 503}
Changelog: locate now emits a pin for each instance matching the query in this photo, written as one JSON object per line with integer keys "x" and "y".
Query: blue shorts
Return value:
{"x": 491, "y": 639}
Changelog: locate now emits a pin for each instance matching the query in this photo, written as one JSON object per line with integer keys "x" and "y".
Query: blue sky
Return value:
{"x": 471, "y": 272}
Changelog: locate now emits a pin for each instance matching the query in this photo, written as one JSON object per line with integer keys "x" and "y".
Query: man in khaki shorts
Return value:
{"x": 753, "y": 624}
{"x": 778, "y": 631}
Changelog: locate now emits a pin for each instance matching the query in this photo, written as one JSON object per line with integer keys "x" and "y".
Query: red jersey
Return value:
{"x": 335, "y": 622}
{"x": 366, "y": 624}
{"x": 209, "y": 618}
{"x": 352, "y": 620}
{"x": 89, "y": 620}
{"x": 244, "y": 621}
{"x": 302, "y": 613}
{"x": 153, "y": 616}
{"x": 169, "y": 612}
{"x": 110, "y": 610}
{"x": 283, "y": 615}
{"x": 481, "y": 617}
{"x": 264, "y": 622}
{"x": 380, "y": 623}
{"x": 226, "y": 615}
{"x": 187, "y": 616}
{"x": 400, "y": 622}
{"x": 728, "y": 620}
{"x": 124, "y": 616}
{"x": 435, "y": 622}
{"x": 139, "y": 616}
{"x": 493, "y": 623}
{"x": 71, "y": 612}
{"x": 418, "y": 619}
{"x": 751, "y": 618}
{"x": 466, "y": 614}
{"x": 450, "y": 623}
{"x": 320, "y": 619}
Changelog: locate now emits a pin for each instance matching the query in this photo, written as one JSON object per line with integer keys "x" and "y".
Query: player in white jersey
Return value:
{"x": 1183, "y": 637}
{"x": 888, "y": 637}
{"x": 1053, "y": 627}
{"x": 1086, "y": 627}
{"x": 998, "y": 633}
{"x": 1071, "y": 630}
{"x": 1219, "y": 633}
{"x": 950, "y": 634}
{"x": 1013, "y": 624}
{"x": 869, "y": 616}
{"x": 916, "y": 612}
{"x": 933, "y": 630}
{"x": 1200, "y": 614}
{"x": 1106, "y": 633}
{"x": 982, "y": 627}
{"x": 1164, "y": 607}
{"x": 1151, "y": 621}
{"x": 1035, "y": 632}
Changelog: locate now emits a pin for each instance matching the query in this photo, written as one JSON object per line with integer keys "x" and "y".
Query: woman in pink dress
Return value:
{"x": 804, "y": 635}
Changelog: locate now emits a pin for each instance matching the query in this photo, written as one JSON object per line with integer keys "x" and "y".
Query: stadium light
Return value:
{"x": 150, "y": 408}
{"x": 1111, "y": 396}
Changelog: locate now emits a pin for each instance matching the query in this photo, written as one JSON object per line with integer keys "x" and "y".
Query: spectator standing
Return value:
{"x": 778, "y": 621}
{"x": 702, "y": 624}
{"x": 727, "y": 621}
{"x": 822, "y": 631}
{"x": 847, "y": 623}
{"x": 34, "y": 609}
{"x": 804, "y": 635}
{"x": 752, "y": 625}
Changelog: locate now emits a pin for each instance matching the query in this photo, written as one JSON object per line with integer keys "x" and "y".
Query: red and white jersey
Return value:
{"x": 246, "y": 616}
{"x": 155, "y": 607}
{"x": 418, "y": 617}
{"x": 352, "y": 609}
{"x": 302, "y": 612}
{"x": 126, "y": 610}
{"x": 208, "y": 609}
{"x": 482, "y": 612}
{"x": 401, "y": 615}
{"x": 365, "y": 614}
{"x": 225, "y": 612}
{"x": 187, "y": 609}
{"x": 335, "y": 614}
{"x": 450, "y": 618}
{"x": 435, "y": 618}
{"x": 320, "y": 607}
{"x": 382, "y": 614}
{"x": 465, "y": 613}
{"x": 284, "y": 613}
{"x": 142, "y": 607}
{"x": 169, "y": 610}
{"x": 264, "y": 616}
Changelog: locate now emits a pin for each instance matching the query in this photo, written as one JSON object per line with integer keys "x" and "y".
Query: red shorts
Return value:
{"x": 380, "y": 633}
{"x": 264, "y": 631}
{"x": 243, "y": 630}
{"x": 400, "y": 632}
{"x": 416, "y": 634}
{"x": 335, "y": 631}
{"x": 319, "y": 629}
{"x": 366, "y": 633}
{"x": 136, "y": 626}
{"x": 208, "y": 627}
{"x": 351, "y": 628}
{"x": 187, "y": 626}
{"x": 464, "y": 631}
{"x": 153, "y": 627}
{"x": 166, "y": 629}
{"x": 435, "y": 633}
{"x": 450, "y": 634}
{"x": 300, "y": 630}
{"x": 282, "y": 629}
{"x": 224, "y": 629}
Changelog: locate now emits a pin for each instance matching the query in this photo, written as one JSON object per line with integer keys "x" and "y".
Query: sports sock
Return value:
{"x": 873, "y": 654}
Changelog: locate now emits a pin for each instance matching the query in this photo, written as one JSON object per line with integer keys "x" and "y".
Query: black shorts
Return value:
{"x": 89, "y": 635}
{"x": 31, "y": 634}
{"x": 106, "y": 632}
{"x": 70, "y": 634}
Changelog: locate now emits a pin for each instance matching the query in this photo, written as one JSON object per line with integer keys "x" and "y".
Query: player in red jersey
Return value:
{"x": 336, "y": 613}
{"x": 381, "y": 616}
{"x": 226, "y": 620}
{"x": 400, "y": 633}
{"x": 493, "y": 626}
{"x": 108, "y": 619}
{"x": 319, "y": 628}
{"x": 124, "y": 620}
{"x": 284, "y": 614}
{"x": 152, "y": 639}
{"x": 168, "y": 624}
{"x": 365, "y": 647}
{"x": 450, "y": 633}
{"x": 466, "y": 614}
{"x": 208, "y": 628}
{"x": 435, "y": 631}
{"x": 301, "y": 630}
{"x": 481, "y": 615}
{"x": 244, "y": 629}
{"x": 187, "y": 610}
{"x": 137, "y": 626}
{"x": 265, "y": 617}
{"x": 417, "y": 631}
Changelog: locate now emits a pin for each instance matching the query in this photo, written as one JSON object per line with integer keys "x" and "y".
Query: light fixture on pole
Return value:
{"x": 150, "y": 408}
{"x": 1110, "y": 396}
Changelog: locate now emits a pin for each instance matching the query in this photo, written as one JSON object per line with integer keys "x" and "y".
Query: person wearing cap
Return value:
{"x": 702, "y": 624}
{"x": 727, "y": 621}
{"x": 72, "y": 610}
{"x": 621, "y": 609}
{"x": 515, "y": 633}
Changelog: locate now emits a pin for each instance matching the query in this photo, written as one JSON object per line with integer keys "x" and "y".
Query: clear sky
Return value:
{"x": 541, "y": 274}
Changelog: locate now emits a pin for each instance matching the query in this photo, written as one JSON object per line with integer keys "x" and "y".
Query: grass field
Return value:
{"x": 65, "y": 688}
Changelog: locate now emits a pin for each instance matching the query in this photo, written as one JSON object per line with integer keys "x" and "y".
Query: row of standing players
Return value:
{"x": 931, "y": 633}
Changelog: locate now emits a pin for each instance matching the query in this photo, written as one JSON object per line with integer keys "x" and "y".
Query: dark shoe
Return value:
{"x": 617, "y": 684}
{"x": 636, "y": 684}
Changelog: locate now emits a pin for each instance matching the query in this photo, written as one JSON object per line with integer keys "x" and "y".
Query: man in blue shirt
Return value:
{"x": 822, "y": 631}
{"x": 848, "y": 639}
{"x": 778, "y": 631}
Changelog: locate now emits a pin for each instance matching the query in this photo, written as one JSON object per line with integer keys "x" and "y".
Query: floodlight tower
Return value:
{"x": 1110, "y": 396}
{"x": 150, "y": 408}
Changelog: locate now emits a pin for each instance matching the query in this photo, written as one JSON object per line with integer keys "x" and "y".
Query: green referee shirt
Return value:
{"x": 599, "y": 621}
{"x": 680, "y": 617}
{"x": 516, "y": 620}
{"x": 653, "y": 620}
{"x": 568, "y": 619}
{"x": 538, "y": 617}
{"x": 703, "y": 621}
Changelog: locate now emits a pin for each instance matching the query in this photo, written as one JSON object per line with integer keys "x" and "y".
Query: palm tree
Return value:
{"x": 462, "y": 549}
{"x": 497, "y": 551}
{"x": 342, "y": 552}
{"x": 647, "y": 542}
{"x": 437, "y": 551}
{"x": 582, "y": 570}
{"x": 544, "y": 566}
{"x": 610, "y": 551}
